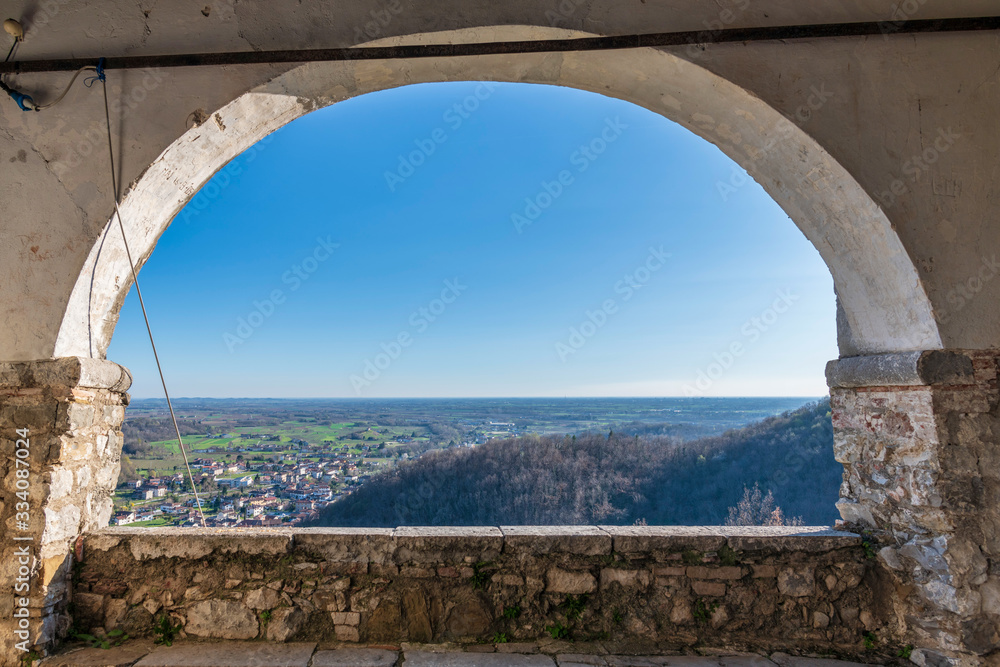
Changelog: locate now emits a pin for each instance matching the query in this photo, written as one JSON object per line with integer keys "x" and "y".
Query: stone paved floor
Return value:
{"x": 305, "y": 654}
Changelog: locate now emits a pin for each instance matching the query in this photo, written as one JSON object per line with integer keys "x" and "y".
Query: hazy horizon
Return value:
{"x": 465, "y": 398}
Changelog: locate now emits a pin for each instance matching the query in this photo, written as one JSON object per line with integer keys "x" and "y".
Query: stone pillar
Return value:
{"x": 919, "y": 436}
{"x": 61, "y": 449}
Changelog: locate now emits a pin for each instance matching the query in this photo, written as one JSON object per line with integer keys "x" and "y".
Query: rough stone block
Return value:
{"x": 852, "y": 511}
{"x": 11, "y": 375}
{"x": 352, "y": 545}
{"x": 114, "y": 611}
{"x": 709, "y": 588}
{"x": 797, "y": 581}
{"x": 383, "y": 569}
{"x": 195, "y": 543}
{"x": 80, "y": 415}
{"x": 771, "y": 539}
{"x": 446, "y": 544}
{"x": 152, "y": 605}
{"x": 662, "y": 539}
{"x": 913, "y": 368}
{"x": 329, "y": 599}
{"x": 468, "y": 619}
{"x": 681, "y": 614}
{"x": 346, "y": 618}
{"x": 221, "y": 619}
{"x": 262, "y": 598}
{"x": 79, "y": 372}
{"x": 534, "y": 540}
{"x": 726, "y": 572}
{"x": 567, "y": 581}
{"x": 137, "y": 622}
{"x": 416, "y": 572}
{"x": 285, "y": 623}
{"x": 626, "y": 578}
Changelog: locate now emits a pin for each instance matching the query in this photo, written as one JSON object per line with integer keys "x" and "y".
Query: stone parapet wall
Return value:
{"x": 664, "y": 588}
{"x": 917, "y": 432}
{"x": 61, "y": 446}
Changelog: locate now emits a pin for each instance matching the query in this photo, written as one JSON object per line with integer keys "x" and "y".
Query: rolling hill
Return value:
{"x": 609, "y": 478}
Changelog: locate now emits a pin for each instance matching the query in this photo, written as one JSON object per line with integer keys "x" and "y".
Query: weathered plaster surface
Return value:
{"x": 860, "y": 112}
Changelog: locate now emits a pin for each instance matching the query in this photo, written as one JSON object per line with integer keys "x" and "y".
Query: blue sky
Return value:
{"x": 469, "y": 239}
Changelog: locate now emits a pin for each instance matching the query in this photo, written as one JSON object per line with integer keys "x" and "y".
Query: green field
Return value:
{"x": 152, "y": 523}
{"x": 168, "y": 459}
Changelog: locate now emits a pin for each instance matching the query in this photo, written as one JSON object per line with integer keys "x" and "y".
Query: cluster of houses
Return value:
{"x": 252, "y": 494}
{"x": 154, "y": 487}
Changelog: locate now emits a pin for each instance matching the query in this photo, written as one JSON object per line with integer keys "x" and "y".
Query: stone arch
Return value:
{"x": 883, "y": 305}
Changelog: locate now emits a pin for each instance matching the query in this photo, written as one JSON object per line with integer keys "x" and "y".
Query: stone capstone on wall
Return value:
{"x": 664, "y": 588}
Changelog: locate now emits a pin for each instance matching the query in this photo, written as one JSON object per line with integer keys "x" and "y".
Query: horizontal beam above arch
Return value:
{"x": 602, "y": 43}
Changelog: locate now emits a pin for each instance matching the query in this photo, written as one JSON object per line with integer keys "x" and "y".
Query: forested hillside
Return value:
{"x": 610, "y": 478}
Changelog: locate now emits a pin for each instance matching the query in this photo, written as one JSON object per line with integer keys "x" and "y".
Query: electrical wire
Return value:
{"x": 135, "y": 279}
{"x": 42, "y": 107}
{"x": 4, "y": 86}
{"x": 28, "y": 104}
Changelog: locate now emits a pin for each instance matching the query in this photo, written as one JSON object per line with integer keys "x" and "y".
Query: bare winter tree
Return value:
{"x": 757, "y": 509}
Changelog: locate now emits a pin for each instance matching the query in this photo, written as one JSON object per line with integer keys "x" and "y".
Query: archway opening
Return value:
{"x": 611, "y": 256}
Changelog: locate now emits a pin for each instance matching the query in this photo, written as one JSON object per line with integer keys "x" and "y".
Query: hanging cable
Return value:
{"x": 135, "y": 279}
{"x": 59, "y": 99}
{"x": 28, "y": 104}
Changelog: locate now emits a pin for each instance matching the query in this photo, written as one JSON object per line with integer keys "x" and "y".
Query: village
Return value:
{"x": 263, "y": 479}
{"x": 251, "y": 493}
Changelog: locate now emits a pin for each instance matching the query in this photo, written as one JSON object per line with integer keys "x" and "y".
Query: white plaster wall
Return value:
{"x": 890, "y": 97}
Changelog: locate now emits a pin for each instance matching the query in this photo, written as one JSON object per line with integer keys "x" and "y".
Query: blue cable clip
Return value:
{"x": 89, "y": 81}
{"x": 19, "y": 97}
